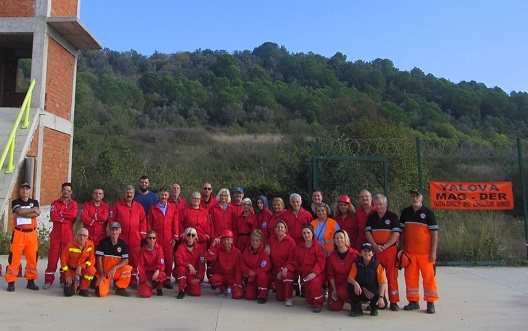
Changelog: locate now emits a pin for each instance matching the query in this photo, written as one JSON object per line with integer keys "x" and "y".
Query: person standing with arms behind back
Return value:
{"x": 363, "y": 211}
{"x": 94, "y": 216}
{"x": 420, "y": 240}
{"x": 24, "y": 239}
{"x": 63, "y": 214}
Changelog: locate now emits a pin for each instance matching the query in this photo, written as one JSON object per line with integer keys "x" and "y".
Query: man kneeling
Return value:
{"x": 77, "y": 262}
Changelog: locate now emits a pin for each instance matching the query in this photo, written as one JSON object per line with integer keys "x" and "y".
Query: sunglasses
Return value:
{"x": 152, "y": 238}
{"x": 208, "y": 188}
{"x": 191, "y": 235}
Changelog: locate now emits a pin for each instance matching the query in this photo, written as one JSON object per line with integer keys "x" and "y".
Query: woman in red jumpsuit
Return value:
{"x": 196, "y": 217}
{"x": 263, "y": 213}
{"x": 255, "y": 265}
{"x": 244, "y": 225}
{"x": 227, "y": 276}
{"x": 279, "y": 213}
{"x": 309, "y": 260}
{"x": 345, "y": 215}
{"x": 190, "y": 265}
{"x": 281, "y": 249}
{"x": 338, "y": 265}
{"x": 151, "y": 266}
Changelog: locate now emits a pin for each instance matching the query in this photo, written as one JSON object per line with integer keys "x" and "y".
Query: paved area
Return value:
{"x": 476, "y": 298}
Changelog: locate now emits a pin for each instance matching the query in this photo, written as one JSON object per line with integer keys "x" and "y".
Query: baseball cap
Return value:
{"x": 25, "y": 185}
{"x": 239, "y": 190}
{"x": 367, "y": 246}
{"x": 115, "y": 225}
{"x": 415, "y": 191}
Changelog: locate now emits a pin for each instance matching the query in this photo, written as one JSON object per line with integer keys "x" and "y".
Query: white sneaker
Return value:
{"x": 46, "y": 286}
{"x": 289, "y": 303}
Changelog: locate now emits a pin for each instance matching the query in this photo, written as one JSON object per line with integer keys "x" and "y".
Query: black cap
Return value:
{"x": 115, "y": 225}
{"x": 415, "y": 191}
{"x": 367, "y": 246}
{"x": 25, "y": 185}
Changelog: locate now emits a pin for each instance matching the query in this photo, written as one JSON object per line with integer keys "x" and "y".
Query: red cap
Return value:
{"x": 344, "y": 198}
{"x": 227, "y": 233}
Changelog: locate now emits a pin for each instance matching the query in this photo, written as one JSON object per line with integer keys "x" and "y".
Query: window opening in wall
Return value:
{"x": 23, "y": 75}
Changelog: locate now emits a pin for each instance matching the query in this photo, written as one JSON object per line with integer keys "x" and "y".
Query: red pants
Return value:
{"x": 387, "y": 259}
{"x": 133, "y": 255}
{"x": 314, "y": 290}
{"x": 145, "y": 289}
{"x": 26, "y": 243}
{"x": 283, "y": 286}
{"x": 168, "y": 256}
{"x": 257, "y": 286}
{"x": 222, "y": 283}
{"x": 184, "y": 278}
{"x": 342, "y": 297}
{"x": 87, "y": 275}
{"x": 54, "y": 252}
{"x": 420, "y": 264}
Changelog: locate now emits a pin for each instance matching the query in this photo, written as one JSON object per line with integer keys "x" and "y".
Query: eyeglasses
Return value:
{"x": 66, "y": 190}
{"x": 191, "y": 235}
{"x": 208, "y": 188}
{"x": 151, "y": 238}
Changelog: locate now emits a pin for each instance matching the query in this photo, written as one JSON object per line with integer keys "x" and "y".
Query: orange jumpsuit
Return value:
{"x": 73, "y": 256}
{"x": 111, "y": 256}
{"x": 24, "y": 241}
{"x": 381, "y": 229}
{"x": 417, "y": 227}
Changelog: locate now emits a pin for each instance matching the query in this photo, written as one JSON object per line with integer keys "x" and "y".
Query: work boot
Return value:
{"x": 357, "y": 311}
{"x": 31, "y": 285}
{"x": 168, "y": 286}
{"x": 180, "y": 295}
{"x": 159, "y": 292}
{"x": 289, "y": 303}
{"x": 133, "y": 286}
{"x": 394, "y": 306}
{"x": 262, "y": 300}
{"x": 430, "y": 308}
{"x": 84, "y": 293}
{"x": 374, "y": 311}
{"x": 122, "y": 292}
{"x": 413, "y": 305}
{"x": 11, "y": 287}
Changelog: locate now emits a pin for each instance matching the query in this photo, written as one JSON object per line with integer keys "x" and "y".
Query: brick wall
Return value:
{"x": 33, "y": 148}
{"x": 59, "y": 81}
{"x": 64, "y": 8}
{"x": 17, "y": 8}
{"x": 55, "y": 164}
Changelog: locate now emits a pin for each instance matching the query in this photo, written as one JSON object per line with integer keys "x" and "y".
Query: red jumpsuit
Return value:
{"x": 281, "y": 254}
{"x": 74, "y": 256}
{"x": 338, "y": 270}
{"x": 148, "y": 262}
{"x": 63, "y": 215}
{"x": 263, "y": 218}
{"x": 95, "y": 220}
{"x": 183, "y": 258}
{"x": 259, "y": 263}
{"x": 295, "y": 223}
{"x": 221, "y": 219}
{"x": 349, "y": 224}
{"x": 269, "y": 231}
{"x": 133, "y": 230}
{"x": 181, "y": 204}
{"x": 244, "y": 226}
{"x": 227, "y": 269}
{"x": 236, "y": 207}
{"x": 167, "y": 229}
{"x": 198, "y": 219}
{"x": 207, "y": 205}
{"x": 308, "y": 260}
{"x": 358, "y": 238}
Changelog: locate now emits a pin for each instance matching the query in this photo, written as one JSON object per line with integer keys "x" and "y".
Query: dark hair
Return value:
{"x": 144, "y": 177}
{"x": 67, "y": 184}
{"x": 308, "y": 226}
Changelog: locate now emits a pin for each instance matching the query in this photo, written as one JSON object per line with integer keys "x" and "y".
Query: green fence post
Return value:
{"x": 523, "y": 190}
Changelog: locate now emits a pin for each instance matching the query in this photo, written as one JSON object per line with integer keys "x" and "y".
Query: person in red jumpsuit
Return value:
{"x": 194, "y": 216}
{"x": 207, "y": 200}
{"x": 255, "y": 265}
{"x": 338, "y": 265}
{"x": 363, "y": 211}
{"x": 279, "y": 213}
{"x": 163, "y": 219}
{"x": 345, "y": 215}
{"x": 222, "y": 215}
{"x": 236, "y": 203}
{"x": 227, "y": 276}
{"x": 131, "y": 216}
{"x": 309, "y": 260}
{"x": 63, "y": 214}
{"x": 190, "y": 265}
{"x": 263, "y": 213}
{"x": 280, "y": 250}
{"x": 244, "y": 225}
{"x": 296, "y": 218}
{"x": 151, "y": 266}
{"x": 174, "y": 197}
{"x": 78, "y": 259}
{"x": 94, "y": 216}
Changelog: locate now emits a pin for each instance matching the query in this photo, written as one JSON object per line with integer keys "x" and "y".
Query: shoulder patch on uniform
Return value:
{"x": 162, "y": 261}
{"x": 202, "y": 259}
{"x": 52, "y": 208}
{"x": 263, "y": 264}
{"x": 264, "y": 225}
{"x": 119, "y": 249}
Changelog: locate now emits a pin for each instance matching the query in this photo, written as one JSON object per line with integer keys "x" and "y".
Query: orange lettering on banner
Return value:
{"x": 471, "y": 195}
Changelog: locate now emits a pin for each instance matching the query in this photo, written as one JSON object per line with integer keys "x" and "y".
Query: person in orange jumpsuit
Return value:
{"x": 131, "y": 216}
{"x": 112, "y": 263}
{"x": 255, "y": 265}
{"x": 280, "y": 249}
{"x": 63, "y": 214}
{"x": 226, "y": 257}
{"x": 338, "y": 265}
{"x": 309, "y": 260}
{"x": 324, "y": 228}
{"x": 363, "y": 211}
{"x": 163, "y": 219}
{"x": 78, "y": 260}
{"x": 151, "y": 266}
{"x": 382, "y": 232}
{"x": 190, "y": 265}
{"x": 24, "y": 239}
{"x": 94, "y": 216}
{"x": 345, "y": 215}
{"x": 420, "y": 240}
{"x": 244, "y": 225}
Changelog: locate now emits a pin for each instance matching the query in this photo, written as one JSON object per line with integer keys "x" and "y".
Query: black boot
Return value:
{"x": 11, "y": 287}
{"x": 31, "y": 285}
{"x": 357, "y": 311}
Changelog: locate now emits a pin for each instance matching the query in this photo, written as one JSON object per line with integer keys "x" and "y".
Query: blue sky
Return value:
{"x": 481, "y": 40}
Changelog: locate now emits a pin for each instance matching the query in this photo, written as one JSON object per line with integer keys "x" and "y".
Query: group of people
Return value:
{"x": 245, "y": 249}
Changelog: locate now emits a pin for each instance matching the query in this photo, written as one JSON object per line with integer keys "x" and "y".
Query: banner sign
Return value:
{"x": 471, "y": 195}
